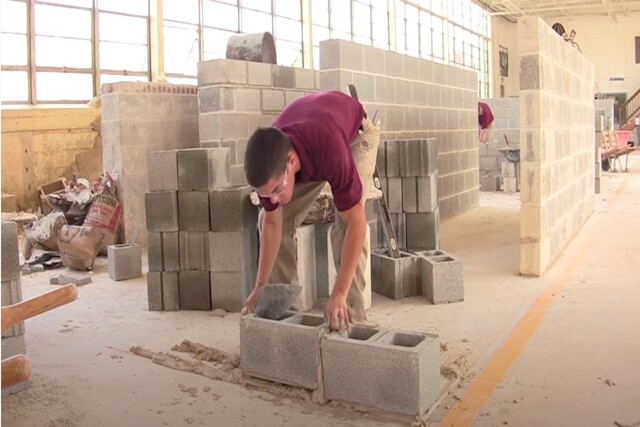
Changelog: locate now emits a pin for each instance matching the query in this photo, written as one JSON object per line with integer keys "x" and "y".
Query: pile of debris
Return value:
{"x": 77, "y": 221}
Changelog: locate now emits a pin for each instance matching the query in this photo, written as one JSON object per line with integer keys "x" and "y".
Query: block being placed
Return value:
{"x": 124, "y": 261}
{"x": 395, "y": 277}
{"x": 161, "y": 210}
{"x": 195, "y": 290}
{"x": 203, "y": 168}
{"x": 154, "y": 290}
{"x": 193, "y": 211}
{"x": 194, "y": 250}
{"x": 163, "y": 170}
{"x": 388, "y": 370}
{"x": 286, "y": 351}
{"x": 423, "y": 230}
{"x": 442, "y": 277}
{"x": 9, "y": 255}
{"x": 231, "y": 209}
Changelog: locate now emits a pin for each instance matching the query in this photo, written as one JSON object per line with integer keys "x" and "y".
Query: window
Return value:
{"x": 14, "y": 52}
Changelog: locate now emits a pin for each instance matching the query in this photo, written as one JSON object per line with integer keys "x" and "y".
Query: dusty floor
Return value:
{"x": 572, "y": 362}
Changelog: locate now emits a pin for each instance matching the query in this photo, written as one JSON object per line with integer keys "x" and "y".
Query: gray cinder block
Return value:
{"x": 170, "y": 291}
{"x": 323, "y": 259}
{"x": 231, "y": 209}
{"x": 124, "y": 261}
{"x": 195, "y": 290}
{"x": 194, "y": 250}
{"x": 306, "y": 268}
{"x": 410, "y": 194}
{"x": 230, "y": 251}
{"x": 161, "y": 210}
{"x": 203, "y": 168}
{"x": 154, "y": 290}
{"x": 388, "y": 370}
{"x": 489, "y": 183}
{"x": 442, "y": 277}
{"x": 286, "y": 351}
{"x": 381, "y": 159}
{"x": 193, "y": 210}
{"x": 12, "y": 294}
{"x": 510, "y": 185}
{"x": 418, "y": 157}
{"x": 171, "y": 251}
{"x": 154, "y": 251}
{"x": 10, "y": 260}
{"x": 395, "y": 277}
{"x": 229, "y": 290}
{"x": 163, "y": 170}
{"x": 12, "y": 346}
{"x": 394, "y": 195}
{"x": 427, "y": 193}
{"x": 423, "y": 230}
{"x": 508, "y": 169}
{"x": 393, "y": 159}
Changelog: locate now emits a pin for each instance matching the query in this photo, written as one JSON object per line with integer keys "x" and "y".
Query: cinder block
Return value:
{"x": 423, "y": 230}
{"x": 259, "y": 74}
{"x": 510, "y": 185}
{"x": 324, "y": 259}
{"x": 231, "y": 251}
{"x": 203, "y": 169}
{"x": 394, "y": 195}
{"x": 395, "y": 277}
{"x": 231, "y": 209}
{"x": 393, "y": 159}
{"x": 10, "y": 260}
{"x": 508, "y": 170}
{"x": 12, "y": 346}
{"x": 195, "y": 290}
{"x": 170, "y": 291}
{"x": 283, "y": 77}
{"x": 193, "y": 211}
{"x": 222, "y": 71}
{"x": 442, "y": 277}
{"x": 154, "y": 251}
{"x": 410, "y": 194}
{"x": 489, "y": 183}
{"x": 418, "y": 157}
{"x": 389, "y": 370}
{"x": 163, "y": 170}
{"x": 285, "y": 351}
{"x": 272, "y": 100}
{"x": 161, "y": 210}
{"x": 399, "y": 222}
{"x": 124, "y": 261}
{"x": 381, "y": 159}
{"x": 229, "y": 290}
{"x": 215, "y": 98}
{"x": 306, "y": 257}
{"x": 154, "y": 290}
{"x": 427, "y": 193}
{"x": 597, "y": 186}
{"x": 194, "y": 250}
{"x": 341, "y": 54}
{"x": 12, "y": 294}
{"x": 171, "y": 251}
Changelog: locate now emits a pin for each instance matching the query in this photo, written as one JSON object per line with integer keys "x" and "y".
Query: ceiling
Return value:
{"x": 513, "y": 9}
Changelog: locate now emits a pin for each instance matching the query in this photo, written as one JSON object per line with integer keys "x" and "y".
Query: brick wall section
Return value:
{"x": 557, "y": 144}
{"x": 236, "y": 97}
{"x": 138, "y": 118}
{"x": 415, "y": 98}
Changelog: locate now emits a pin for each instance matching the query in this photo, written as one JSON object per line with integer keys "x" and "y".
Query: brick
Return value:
{"x": 163, "y": 170}
{"x": 170, "y": 291}
{"x": 229, "y": 290}
{"x": 76, "y": 279}
{"x": 221, "y": 71}
{"x": 418, "y": 157}
{"x": 171, "y": 251}
{"x": 489, "y": 183}
{"x": 124, "y": 261}
{"x": 154, "y": 290}
{"x": 406, "y": 367}
{"x": 423, "y": 230}
{"x": 193, "y": 211}
{"x": 10, "y": 259}
{"x": 195, "y": 290}
{"x": 194, "y": 250}
{"x": 154, "y": 251}
{"x": 12, "y": 294}
{"x": 395, "y": 277}
{"x": 286, "y": 351}
{"x": 161, "y": 209}
{"x": 428, "y": 193}
{"x": 442, "y": 277}
{"x": 231, "y": 209}
{"x": 203, "y": 169}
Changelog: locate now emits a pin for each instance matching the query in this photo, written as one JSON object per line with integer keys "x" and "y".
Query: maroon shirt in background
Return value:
{"x": 321, "y": 127}
{"x": 486, "y": 118}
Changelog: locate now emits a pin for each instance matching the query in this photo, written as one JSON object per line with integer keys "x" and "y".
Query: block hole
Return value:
{"x": 442, "y": 259}
{"x": 406, "y": 340}
{"x": 361, "y": 334}
{"x": 433, "y": 253}
{"x": 306, "y": 320}
{"x": 286, "y": 315}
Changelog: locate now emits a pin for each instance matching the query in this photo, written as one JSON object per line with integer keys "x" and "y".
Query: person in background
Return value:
{"x": 485, "y": 121}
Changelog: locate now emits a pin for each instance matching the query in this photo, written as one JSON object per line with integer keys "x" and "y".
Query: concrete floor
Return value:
{"x": 560, "y": 350}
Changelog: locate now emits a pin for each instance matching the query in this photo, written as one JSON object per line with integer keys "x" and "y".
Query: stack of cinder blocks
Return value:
{"x": 13, "y": 338}
{"x": 489, "y": 165}
{"x": 389, "y": 370}
{"x": 201, "y": 232}
{"x": 510, "y": 174}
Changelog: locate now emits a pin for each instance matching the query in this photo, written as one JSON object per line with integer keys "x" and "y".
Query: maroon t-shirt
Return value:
{"x": 321, "y": 127}
{"x": 486, "y": 118}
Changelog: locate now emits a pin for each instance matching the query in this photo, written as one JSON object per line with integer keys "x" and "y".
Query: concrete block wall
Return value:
{"x": 138, "y": 118}
{"x": 557, "y": 143}
{"x": 415, "y": 98}
{"x": 236, "y": 97}
{"x": 606, "y": 107}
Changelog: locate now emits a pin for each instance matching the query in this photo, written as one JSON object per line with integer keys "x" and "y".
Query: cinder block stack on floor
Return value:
{"x": 201, "y": 232}
{"x": 13, "y": 338}
{"x": 510, "y": 173}
{"x": 490, "y": 165}
{"x": 298, "y": 350}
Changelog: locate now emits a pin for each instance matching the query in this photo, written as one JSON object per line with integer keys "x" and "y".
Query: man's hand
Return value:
{"x": 251, "y": 300}
{"x": 336, "y": 313}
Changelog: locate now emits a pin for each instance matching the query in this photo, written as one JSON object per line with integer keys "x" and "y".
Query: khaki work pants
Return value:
{"x": 364, "y": 149}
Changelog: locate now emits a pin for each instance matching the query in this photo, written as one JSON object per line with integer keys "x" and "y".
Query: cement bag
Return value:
{"x": 105, "y": 215}
{"x": 79, "y": 246}
{"x": 44, "y": 232}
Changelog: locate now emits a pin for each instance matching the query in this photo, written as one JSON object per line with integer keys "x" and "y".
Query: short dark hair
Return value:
{"x": 266, "y": 155}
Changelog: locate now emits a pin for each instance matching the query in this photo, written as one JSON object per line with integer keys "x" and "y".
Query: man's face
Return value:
{"x": 279, "y": 189}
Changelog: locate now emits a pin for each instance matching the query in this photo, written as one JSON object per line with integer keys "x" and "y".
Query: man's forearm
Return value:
{"x": 351, "y": 250}
{"x": 270, "y": 238}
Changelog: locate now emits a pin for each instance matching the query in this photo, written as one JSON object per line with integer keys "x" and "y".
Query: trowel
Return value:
{"x": 273, "y": 300}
